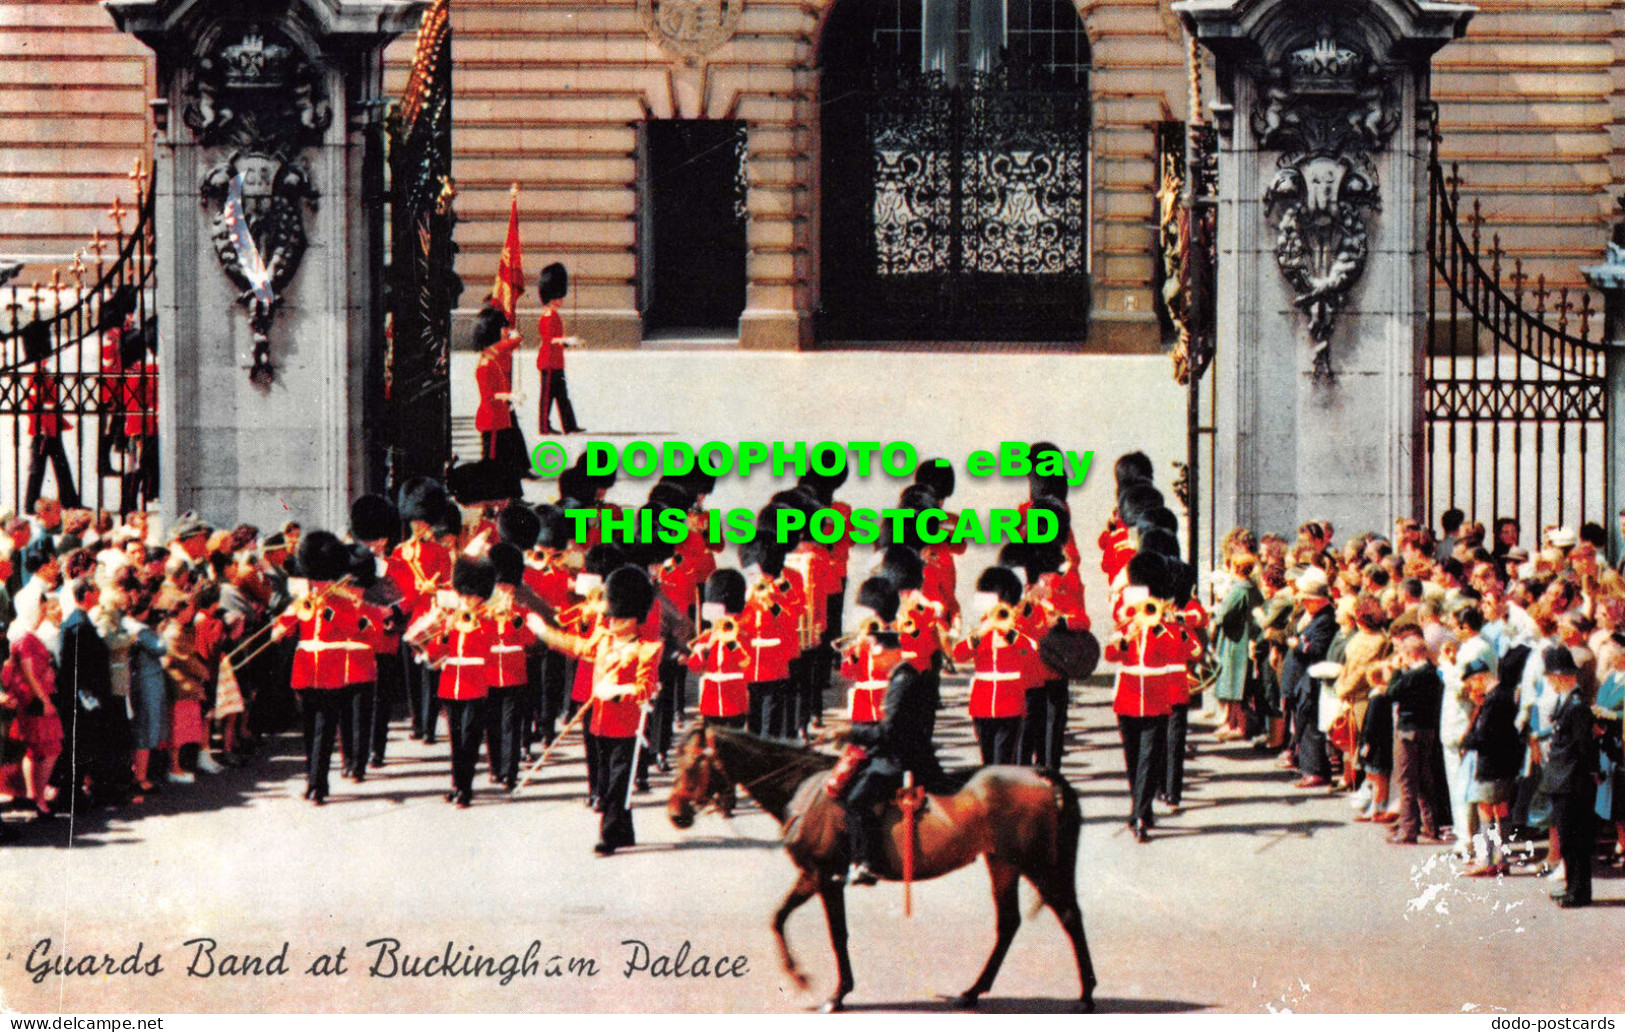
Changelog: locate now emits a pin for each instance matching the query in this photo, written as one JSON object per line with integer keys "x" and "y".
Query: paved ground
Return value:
{"x": 1257, "y": 898}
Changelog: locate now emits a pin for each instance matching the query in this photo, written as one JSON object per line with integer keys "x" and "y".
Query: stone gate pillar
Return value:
{"x": 1324, "y": 118}
{"x": 268, "y": 170}
{"x": 1609, "y": 279}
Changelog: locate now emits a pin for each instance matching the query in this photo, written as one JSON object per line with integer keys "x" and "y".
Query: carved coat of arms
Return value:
{"x": 691, "y": 29}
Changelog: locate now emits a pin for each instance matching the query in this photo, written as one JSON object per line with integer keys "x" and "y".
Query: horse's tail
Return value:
{"x": 1068, "y": 823}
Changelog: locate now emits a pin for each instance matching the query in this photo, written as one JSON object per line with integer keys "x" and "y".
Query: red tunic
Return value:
{"x": 511, "y": 640}
{"x": 140, "y": 401}
{"x": 464, "y": 654}
{"x": 548, "y": 578}
{"x": 45, "y": 417}
{"x": 869, "y": 669}
{"x": 625, "y": 675}
{"x": 1007, "y": 664}
{"x": 918, "y": 621}
{"x": 331, "y": 625}
{"x": 420, "y": 567}
{"x": 550, "y": 340}
{"x": 771, "y": 624}
{"x": 1115, "y": 551}
{"x": 722, "y": 666}
{"x": 494, "y": 375}
{"x": 1153, "y": 675}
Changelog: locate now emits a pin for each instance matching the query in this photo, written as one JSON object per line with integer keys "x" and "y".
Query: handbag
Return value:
{"x": 1072, "y": 654}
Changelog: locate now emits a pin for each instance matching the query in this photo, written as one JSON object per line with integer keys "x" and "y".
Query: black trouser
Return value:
{"x": 770, "y": 706}
{"x": 1057, "y": 697}
{"x": 591, "y": 744}
{"x": 1173, "y": 784}
{"x": 321, "y": 710}
{"x": 465, "y": 721}
{"x": 426, "y": 687}
{"x": 555, "y": 391}
{"x": 390, "y": 689}
{"x": 1573, "y": 815}
{"x": 139, "y": 484}
{"x": 614, "y": 775}
{"x": 549, "y": 682}
{"x": 999, "y": 738}
{"x": 1143, "y": 738}
{"x": 355, "y": 728}
{"x": 43, "y": 448}
{"x": 1030, "y": 752}
{"x": 874, "y": 786}
{"x": 1313, "y": 760}
{"x": 504, "y": 713}
{"x": 662, "y": 726}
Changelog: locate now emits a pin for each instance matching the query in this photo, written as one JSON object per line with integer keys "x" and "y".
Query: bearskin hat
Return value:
{"x": 1046, "y": 485}
{"x": 575, "y": 486}
{"x": 727, "y": 587}
{"x": 1181, "y": 581}
{"x": 1135, "y": 501}
{"x": 363, "y": 569}
{"x": 518, "y": 525}
{"x": 654, "y": 551}
{"x": 767, "y": 528}
{"x": 629, "y": 593}
{"x": 117, "y": 308}
{"x": 1002, "y": 582}
{"x": 322, "y": 556}
{"x": 473, "y": 577}
{"x": 488, "y": 327}
{"x": 879, "y": 594}
{"x": 669, "y": 494}
{"x": 1044, "y": 557}
{"x": 507, "y": 561}
{"x": 134, "y": 345}
{"x": 1058, "y": 508}
{"x": 595, "y": 481}
{"x": 553, "y": 527}
{"x": 373, "y": 518}
{"x": 484, "y": 480}
{"x": 553, "y": 283}
{"x": 903, "y": 567}
{"x": 1134, "y": 466}
{"x": 448, "y": 520}
{"x": 1150, "y": 571}
{"x": 603, "y": 559}
{"x": 1154, "y": 539}
{"x": 938, "y": 475}
{"x": 421, "y": 500}
{"x": 1161, "y": 517}
{"x": 1013, "y": 556}
{"x": 762, "y": 551}
{"x": 37, "y": 341}
{"x": 698, "y": 482}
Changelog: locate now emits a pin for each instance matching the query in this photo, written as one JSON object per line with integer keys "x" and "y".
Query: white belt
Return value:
{"x": 998, "y": 676}
{"x": 1144, "y": 671}
{"x": 869, "y": 686}
{"x": 465, "y": 661}
{"x": 507, "y": 648}
{"x": 323, "y": 646}
{"x": 734, "y": 676}
{"x": 759, "y": 642}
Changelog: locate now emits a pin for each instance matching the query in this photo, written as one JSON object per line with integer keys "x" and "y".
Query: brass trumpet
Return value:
{"x": 722, "y": 632}
{"x": 868, "y": 629}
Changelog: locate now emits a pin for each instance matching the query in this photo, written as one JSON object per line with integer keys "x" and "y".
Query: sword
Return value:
{"x": 909, "y": 803}
{"x": 536, "y": 765}
{"x": 637, "y": 747}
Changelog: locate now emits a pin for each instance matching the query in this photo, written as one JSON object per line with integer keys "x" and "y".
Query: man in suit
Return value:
{"x": 1571, "y": 776}
{"x": 1306, "y": 648}
{"x": 1417, "y": 692}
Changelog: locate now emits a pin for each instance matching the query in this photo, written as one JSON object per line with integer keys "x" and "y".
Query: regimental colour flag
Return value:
{"x": 510, "y": 282}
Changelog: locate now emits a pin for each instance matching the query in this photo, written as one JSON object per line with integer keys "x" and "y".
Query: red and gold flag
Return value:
{"x": 510, "y": 282}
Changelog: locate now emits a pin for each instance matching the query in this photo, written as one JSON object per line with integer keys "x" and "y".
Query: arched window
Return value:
{"x": 955, "y": 171}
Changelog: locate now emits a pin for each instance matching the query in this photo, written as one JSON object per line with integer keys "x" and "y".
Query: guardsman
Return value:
{"x": 625, "y": 667}
{"x": 675, "y": 579}
{"x": 834, "y": 566}
{"x": 1054, "y": 487}
{"x": 330, "y": 625}
{"x": 509, "y": 671}
{"x": 549, "y": 579}
{"x": 500, "y": 438}
{"x": 551, "y": 287}
{"x": 922, "y": 631}
{"x": 1154, "y": 657}
{"x": 1053, "y": 598}
{"x": 583, "y": 620}
{"x": 46, "y": 422}
{"x": 420, "y": 566}
{"x": 462, "y": 651}
{"x": 1006, "y": 662}
{"x": 359, "y": 737}
{"x": 720, "y": 655}
{"x": 771, "y": 624}
{"x": 871, "y": 650}
{"x": 941, "y": 557}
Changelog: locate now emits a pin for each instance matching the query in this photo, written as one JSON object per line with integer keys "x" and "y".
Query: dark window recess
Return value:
{"x": 955, "y": 171}
{"x": 694, "y": 225}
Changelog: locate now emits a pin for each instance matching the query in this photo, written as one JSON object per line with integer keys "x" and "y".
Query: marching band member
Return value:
{"x": 462, "y": 651}
{"x": 509, "y": 670}
{"x": 420, "y": 566}
{"x": 921, "y": 621}
{"x": 329, "y": 623}
{"x": 625, "y": 669}
{"x": 771, "y": 623}
{"x": 547, "y": 576}
{"x": 1006, "y": 661}
{"x": 375, "y": 525}
{"x": 942, "y": 575}
{"x": 1053, "y": 598}
{"x": 1153, "y": 656}
{"x": 719, "y": 655}
{"x": 583, "y": 620}
{"x": 871, "y": 651}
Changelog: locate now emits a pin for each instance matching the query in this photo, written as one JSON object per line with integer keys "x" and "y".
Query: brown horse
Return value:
{"x": 1025, "y": 823}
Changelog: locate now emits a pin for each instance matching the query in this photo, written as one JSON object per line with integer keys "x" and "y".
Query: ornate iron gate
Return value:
{"x": 1514, "y": 406}
{"x": 57, "y": 368}
{"x": 956, "y": 212}
{"x": 423, "y": 286}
